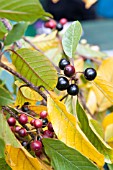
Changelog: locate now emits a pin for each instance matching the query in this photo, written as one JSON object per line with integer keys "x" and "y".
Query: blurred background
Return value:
{"x": 97, "y": 20}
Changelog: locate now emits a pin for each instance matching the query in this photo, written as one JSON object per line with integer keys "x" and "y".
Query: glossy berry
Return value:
{"x": 24, "y": 143}
{"x": 63, "y": 21}
{"x": 23, "y": 119}
{"x": 22, "y": 132}
{"x": 38, "y": 153}
{"x": 38, "y": 123}
{"x": 45, "y": 122}
{"x": 32, "y": 122}
{"x": 43, "y": 114}
{"x": 90, "y": 74}
{"x": 48, "y": 133}
{"x": 59, "y": 26}
{"x": 50, "y": 127}
{"x": 62, "y": 83}
{"x": 11, "y": 121}
{"x": 50, "y": 24}
{"x": 17, "y": 128}
{"x": 63, "y": 62}
{"x": 73, "y": 89}
{"x": 12, "y": 128}
{"x": 36, "y": 145}
{"x": 69, "y": 70}
{"x": 25, "y": 108}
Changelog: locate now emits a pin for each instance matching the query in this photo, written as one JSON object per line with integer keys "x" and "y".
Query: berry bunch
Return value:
{"x": 52, "y": 24}
{"x": 69, "y": 74}
{"x": 39, "y": 126}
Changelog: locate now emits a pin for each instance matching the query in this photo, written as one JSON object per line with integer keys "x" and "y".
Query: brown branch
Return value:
{"x": 91, "y": 58}
{"x": 23, "y": 79}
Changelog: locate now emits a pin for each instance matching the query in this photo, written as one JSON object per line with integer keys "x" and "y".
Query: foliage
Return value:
{"x": 73, "y": 132}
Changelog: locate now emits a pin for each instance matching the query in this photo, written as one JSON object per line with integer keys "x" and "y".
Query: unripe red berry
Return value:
{"x": 48, "y": 133}
{"x": 36, "y": 145}
{"x": 23, "y": 119}
{"x": 32, "y": 122}
{"x": 50, "y": 24}
{"x": 38, "y": 123}
{"x": 63, "y": 21}
{"x": 69, "y": 70}
{"x": 22, "y": 132}
{"x": 12, "y": 128}
{"x": 17, "y": 128}
{"x": 38, "y": 153}
{"x": 43, "y": 114}
{"x": 11, "y": 121}
{"x": 50, "y": 127}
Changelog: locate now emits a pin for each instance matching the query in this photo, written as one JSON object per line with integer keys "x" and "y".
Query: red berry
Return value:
{"x": 50, "y": 127}
{"x": 48, "y": 133}
{"x": 38, "y": 153}
{"x": 69, "y": 70}
{"x": 38, "y": 123}
{"x": 17, "y": 128}
{"x": 43, "y": 114}
{"x": 22, "y": 132}
{"x": 11, "y": 121}
{"x": 12, "y": 128}
{"x": 32, "y": 122}
{"x": 63, "y": 21}
{"x": 50, "y": 24}
{"x": 23, "y": 119}
{"x": 36, "y": 145}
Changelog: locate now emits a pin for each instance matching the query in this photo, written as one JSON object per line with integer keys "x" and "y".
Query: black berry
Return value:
{"x": 45, "y": 122}
{"x": 69, "y": 70}
{"x": 25, "y": 108}
{"x": 24, "y": 143}
{"x": 73, "y": 89}
{"x": 90, "y": 74}
{"x": 63, "y": 62}
{"x": 59, "y": 26}
{"x": 62, "y": 84}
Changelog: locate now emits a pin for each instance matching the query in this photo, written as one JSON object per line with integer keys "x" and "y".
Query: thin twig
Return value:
{"x": 6, "y": 23}
{"x": 91, "y": 58}
{"x": 63, "y": 97}
{"x": 23, "y": 79}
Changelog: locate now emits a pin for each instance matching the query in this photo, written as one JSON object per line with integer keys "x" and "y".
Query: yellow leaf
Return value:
{"x": 38, "y": 109}
{"x": 45, "y": 42}
{"x": 89, "y": 3}
{"x": 109, "y": 133}
{"x": 67, "y": 130}
{"x": 20, "y": 159}
{"x": 79, "y": 64}
{"x": 108, "y": 120}
{"x": 6, "y": 62}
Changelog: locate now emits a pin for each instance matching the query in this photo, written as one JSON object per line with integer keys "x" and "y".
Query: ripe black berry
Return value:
{"x": 69, "y": 70}
{"x": 36, "y": 145}
{"x": 45, "y": 122}
{"x": 25, "y": 108}
{"x": 59, "y": 26}
{"x": 11, "y": 121}
{"x": 63, "y": 62}
{"x": 62, "y": 84}
{"x": 90, "y": 74}
{"x": 24, "y": 143}
{"x": 73, "y": 89}
{"x": 23, "y": 119}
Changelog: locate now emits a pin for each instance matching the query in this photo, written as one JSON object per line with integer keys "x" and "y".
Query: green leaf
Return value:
{"x": 110, "y": 166}
{"x": 4, "y": 165}
{"x": 70, "y": 104}
{"x": 16, "y": 33}
{"x": 2, "y": 147}
{"x": 65, "y": 158}
{"x": 3, "y": 30}
{"x": 71, "y": 38}
{"x": 5, "y": 97}
{"x": 84, "y": 50}
{"x": 35, "y": 67}
{"x": 19, "y": 10}
{"x": 92, "y": 135}
{"x": 5, "y": 132}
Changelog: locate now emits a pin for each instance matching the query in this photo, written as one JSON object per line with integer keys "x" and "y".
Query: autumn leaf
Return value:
{"x": 37, "y": 109}
{"x": 20, "y": 159}
{"x": 89, "y": 3}
{"x": 107, "y": 120}
{"x": 6, "y": 62}
{"x": 67, "y": 130}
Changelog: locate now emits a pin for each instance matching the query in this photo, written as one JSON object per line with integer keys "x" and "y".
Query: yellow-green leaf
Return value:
{"x": 108, "y": 120}
{"x": 35, "y": 67}
{"x": 67, "y": 130}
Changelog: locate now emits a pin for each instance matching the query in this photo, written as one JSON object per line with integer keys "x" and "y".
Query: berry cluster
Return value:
{"x": 52, "y": 24}
{"x": 40, "y": 128}
{"x": 69, "y": 74}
